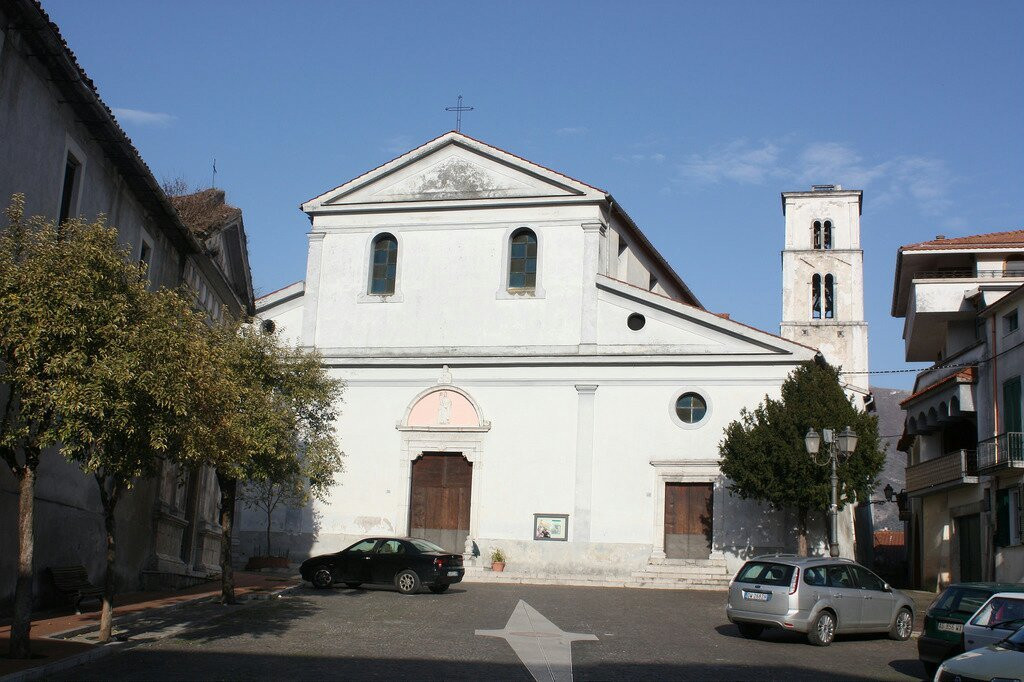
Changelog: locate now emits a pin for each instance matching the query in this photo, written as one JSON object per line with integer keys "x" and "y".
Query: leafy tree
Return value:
{"x": 281, "y": 403}
{"x": 136, "y": 396}
{"x": 91, "y": 362}
{"x": 42, "y": 321}
{"x": 292, "y": 485}
{"x": 764, "y": 456}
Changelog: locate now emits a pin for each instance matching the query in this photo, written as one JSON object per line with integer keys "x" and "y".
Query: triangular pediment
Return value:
{"x": 452, "y": 168}
{"x": 678, "y": 328}
{"x": 455, "y": 177}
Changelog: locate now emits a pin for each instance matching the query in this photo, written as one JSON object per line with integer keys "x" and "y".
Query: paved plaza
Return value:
{"x": 486, "y": 631}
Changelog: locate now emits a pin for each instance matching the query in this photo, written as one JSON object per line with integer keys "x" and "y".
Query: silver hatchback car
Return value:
{"x": 818, "y": 596}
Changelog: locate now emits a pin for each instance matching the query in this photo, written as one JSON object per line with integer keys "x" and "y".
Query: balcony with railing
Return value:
{"x": 949, "y": 471}
{"x": 1001, "y": 452}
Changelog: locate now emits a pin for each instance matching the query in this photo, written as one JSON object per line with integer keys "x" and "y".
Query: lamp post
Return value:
{"x": 837, "y": 445}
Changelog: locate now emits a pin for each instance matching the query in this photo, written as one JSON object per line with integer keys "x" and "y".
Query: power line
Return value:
{"x": 957, "y": 365}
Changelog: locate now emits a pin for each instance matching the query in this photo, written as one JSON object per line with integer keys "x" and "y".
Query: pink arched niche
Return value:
{"x": 443, "y": 407}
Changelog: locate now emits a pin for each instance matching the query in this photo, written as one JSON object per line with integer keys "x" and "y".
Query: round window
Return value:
{"x": 691, "y": 408}
{"x": 636, "y": 322}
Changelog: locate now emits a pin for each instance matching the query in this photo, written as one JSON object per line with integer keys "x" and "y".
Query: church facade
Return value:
{"x": 523, "y": 371}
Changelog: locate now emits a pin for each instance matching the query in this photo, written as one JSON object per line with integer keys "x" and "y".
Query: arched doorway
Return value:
{"x": 442, "y": 444}
{"x": 439, "y": 509}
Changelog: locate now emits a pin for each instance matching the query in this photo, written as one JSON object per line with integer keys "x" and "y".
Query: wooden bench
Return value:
{"x": 73, "y": 582}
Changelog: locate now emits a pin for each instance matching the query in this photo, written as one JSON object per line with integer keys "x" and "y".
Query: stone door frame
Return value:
{"x": 417, "y": 442}
{"x": 682, "y": 471}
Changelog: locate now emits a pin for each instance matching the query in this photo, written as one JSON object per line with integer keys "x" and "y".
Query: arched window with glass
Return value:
{"x": 830, "y": 297}
{"x": 383, "y": 265}
{"x": 816, "y": 297}
{"x": 522, "y": 260}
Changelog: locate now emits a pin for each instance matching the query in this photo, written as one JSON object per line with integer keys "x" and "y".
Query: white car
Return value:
{"x": 998, "y": 618}
{"x": 1000, "y": 662}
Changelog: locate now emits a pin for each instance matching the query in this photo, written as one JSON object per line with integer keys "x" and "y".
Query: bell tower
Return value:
{"x": 823, "y": 279}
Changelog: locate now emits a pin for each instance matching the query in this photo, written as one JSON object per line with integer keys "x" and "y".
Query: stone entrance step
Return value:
{"x": 710, "y": 574}
{"x": 675, "y": 574}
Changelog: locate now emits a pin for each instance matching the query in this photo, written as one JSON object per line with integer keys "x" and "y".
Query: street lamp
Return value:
{"x": 841, "y": 444}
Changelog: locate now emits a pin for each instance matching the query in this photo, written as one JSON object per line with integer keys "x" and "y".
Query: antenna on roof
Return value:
{"x": 213, "y": 183}
{"x": 458, "y": 109}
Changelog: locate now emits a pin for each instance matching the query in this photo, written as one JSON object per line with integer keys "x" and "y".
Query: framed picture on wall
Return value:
{"x": 551, "y": 527}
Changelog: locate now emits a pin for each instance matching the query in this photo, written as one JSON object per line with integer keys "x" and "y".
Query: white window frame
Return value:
{"x": 1006, "y": 322}
{"x": 145, "y": 239}
{"x": 71, "y": 148}
{"x": 364, "y": 295}
{"x": 503, "y": 293}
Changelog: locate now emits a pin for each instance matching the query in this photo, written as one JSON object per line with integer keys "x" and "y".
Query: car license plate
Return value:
{"x": 453, "y": 572}
{"x": 951, "y": 627}
{"x": 756, "y": 596}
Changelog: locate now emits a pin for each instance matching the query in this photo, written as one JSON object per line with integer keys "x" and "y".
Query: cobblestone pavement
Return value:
{"x": 379, "y": 634}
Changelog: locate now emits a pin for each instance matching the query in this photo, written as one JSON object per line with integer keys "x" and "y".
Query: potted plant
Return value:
{"x": 497, "y": 560}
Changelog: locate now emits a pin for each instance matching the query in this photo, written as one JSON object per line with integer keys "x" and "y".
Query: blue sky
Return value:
{"x": 694, "y": 115}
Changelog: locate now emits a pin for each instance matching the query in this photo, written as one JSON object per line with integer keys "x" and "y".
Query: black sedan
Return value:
{"x": 406, "y": 563}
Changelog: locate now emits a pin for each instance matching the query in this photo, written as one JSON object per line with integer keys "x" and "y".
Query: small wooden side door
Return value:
{"x": 688, "y": 520}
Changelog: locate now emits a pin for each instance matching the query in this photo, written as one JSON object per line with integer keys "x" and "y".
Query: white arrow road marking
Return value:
{"x": 542, "y": 646}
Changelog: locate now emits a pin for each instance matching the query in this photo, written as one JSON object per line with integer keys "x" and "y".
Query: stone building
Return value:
{"x": 823, "y": 303}
{"x": 823, "y": 279}
{"x": 63, "y": 149}
{"x": 524, "y": 371}
{"x": 961, "y": 302}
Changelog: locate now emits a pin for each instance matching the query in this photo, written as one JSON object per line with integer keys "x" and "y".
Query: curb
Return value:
{"x": 103, "y": 650}
{"x": 130, "y": 618}
{"x": 65, "y": 663}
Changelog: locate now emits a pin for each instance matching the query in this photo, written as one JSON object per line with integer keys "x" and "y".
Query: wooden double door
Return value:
{"x": 688, "y": 520}
{"x": 442, "y": 487}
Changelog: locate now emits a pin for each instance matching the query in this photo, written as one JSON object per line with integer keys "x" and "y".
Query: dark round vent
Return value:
{"x": 269, "y": 327}
{"x": 636, "y": 322}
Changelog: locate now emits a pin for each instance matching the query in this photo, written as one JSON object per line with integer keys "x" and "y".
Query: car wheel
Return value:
{"x": 322, "y": 579}
{"x": 929, "y": 669}
{"x": 749, "y": 630}
{"x": 438, "y": 589}
{"x": 407, "y": 582}
{"x": 902, "y": 626}
{"x": 823, "y": 630}
{"x": 353, "y": 585}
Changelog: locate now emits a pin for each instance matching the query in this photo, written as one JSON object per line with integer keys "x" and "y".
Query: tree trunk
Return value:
{"x": 228, "y": 487}
{"x": 22, "y": 623}
{"x": 107, "y": 612}
{"x": 801, "y": 541}
{"x": 268, "y": 532}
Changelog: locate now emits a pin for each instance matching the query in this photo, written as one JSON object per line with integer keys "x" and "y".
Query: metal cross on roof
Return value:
{"x": 458, "y": 109}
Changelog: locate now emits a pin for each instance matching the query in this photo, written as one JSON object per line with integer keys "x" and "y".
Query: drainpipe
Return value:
{"x": 987, "y": 490}
{"x": 995, "y": 388}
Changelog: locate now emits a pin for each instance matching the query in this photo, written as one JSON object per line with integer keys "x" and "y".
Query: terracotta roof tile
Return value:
{"x": 964, "y": 376}
{"x": 1010, "y": 238}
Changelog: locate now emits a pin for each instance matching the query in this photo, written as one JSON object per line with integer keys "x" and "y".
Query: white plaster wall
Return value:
{"x": 528, "y": 458}
{"x": 460, "y": 263}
